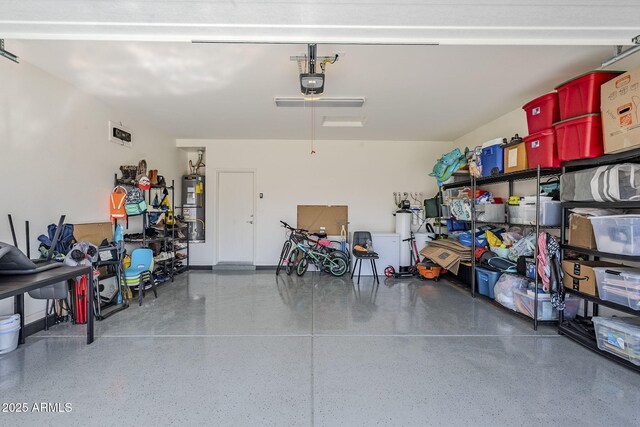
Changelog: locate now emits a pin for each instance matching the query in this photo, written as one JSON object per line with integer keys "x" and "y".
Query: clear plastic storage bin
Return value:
{"x": 524, "y": 302}
{"x": 550, "y": 213}
{"x": 617, "y": 234}
{"x": 490, "y": 212}
{"x": 619, "y": 336}
{"x": 620, "y": 285}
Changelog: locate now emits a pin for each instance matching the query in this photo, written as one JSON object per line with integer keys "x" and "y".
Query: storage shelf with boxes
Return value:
{"x": 596, "y": 192}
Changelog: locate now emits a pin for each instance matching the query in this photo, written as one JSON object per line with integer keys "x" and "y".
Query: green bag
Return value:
{"x": 134, "y": 203}
{"x": 432, "y": 207}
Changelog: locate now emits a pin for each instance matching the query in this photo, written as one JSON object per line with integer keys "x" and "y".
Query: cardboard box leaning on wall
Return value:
{"x": 620, "y": 102}
{"x": 581, "y": 232}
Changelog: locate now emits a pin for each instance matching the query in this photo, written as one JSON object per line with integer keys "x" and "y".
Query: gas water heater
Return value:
{"x": 193, "y": 206}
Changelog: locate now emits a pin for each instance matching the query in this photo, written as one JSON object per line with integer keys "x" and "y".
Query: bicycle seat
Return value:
{"x": 324, "y": 243}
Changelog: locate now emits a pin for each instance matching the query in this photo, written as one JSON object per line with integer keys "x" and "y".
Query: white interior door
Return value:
{"x": 235, "y": 217}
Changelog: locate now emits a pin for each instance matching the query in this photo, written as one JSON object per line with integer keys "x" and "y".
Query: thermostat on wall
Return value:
{"x": 120, "y": 134}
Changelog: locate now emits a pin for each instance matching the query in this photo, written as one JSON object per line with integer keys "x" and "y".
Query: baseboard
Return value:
{"x": 227, "y": 267}
{"x": 200, "y": 267}
{"x": 38, "y": 325}
{"x": 234, "y": 267}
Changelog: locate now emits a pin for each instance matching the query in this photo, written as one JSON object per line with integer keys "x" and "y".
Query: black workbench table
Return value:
{"x": 17, "y": 285}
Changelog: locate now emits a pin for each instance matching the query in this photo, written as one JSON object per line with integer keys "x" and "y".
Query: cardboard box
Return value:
{"x": 579, "y": 275}
{"x": 620, "y": 102}
{"x": 515, "y": 157}
{"x": 446, "y": 253}
{"x": 443, "y": 257}
{"x": 581, "y": 232}
{"x": 93, "y": 233}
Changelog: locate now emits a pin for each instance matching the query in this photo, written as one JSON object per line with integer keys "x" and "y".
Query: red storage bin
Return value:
{"x": 542, "y": 112}
{"x": 541, "y": 149}
{"x": 581, "y": 95}
{"x": 580, "y": 137}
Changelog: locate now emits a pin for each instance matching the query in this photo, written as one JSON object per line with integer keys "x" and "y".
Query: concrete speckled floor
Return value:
{"x": 245, "y": 348}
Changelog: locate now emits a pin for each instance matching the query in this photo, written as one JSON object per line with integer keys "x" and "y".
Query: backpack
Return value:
{"x": 134, "y": 203}
{"x": 117, "y": 211}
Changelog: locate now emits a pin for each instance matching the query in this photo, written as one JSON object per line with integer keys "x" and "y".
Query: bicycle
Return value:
{"x": 324, "y": 245}
{"x": 286, "y": 255}
{"x": 334, "y": 264}
{"x": 320, "y": 245}
{"x": 290, "y": 257}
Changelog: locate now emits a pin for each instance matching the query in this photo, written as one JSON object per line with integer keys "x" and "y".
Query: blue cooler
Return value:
{"x": 492, "y": 160}
{"x": 486, "y": 280}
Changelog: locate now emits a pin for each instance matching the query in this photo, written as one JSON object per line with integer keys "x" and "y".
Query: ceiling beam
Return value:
{"x": 574, "y": 22}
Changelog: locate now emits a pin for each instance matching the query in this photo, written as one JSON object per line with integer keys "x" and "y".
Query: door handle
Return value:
{"x": 249, "y": 222}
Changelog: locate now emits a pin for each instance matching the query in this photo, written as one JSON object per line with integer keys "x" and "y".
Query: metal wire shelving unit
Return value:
{"x": 508, "y": 178}
{"x": 577, "y": 331}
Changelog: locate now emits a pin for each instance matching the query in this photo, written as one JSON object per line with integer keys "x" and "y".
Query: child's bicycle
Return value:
{"x": 324, "y": 261}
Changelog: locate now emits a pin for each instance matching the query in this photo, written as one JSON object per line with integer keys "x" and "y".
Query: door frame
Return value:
{"x": 254, "y": 207}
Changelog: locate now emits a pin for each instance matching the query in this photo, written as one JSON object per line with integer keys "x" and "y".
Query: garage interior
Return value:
{"x": 227, "y": 341}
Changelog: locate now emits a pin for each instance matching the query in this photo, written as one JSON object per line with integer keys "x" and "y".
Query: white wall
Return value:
{"x": 503, "y": 127}
{"x": 55, "y": 158}
{"x": 360, "y": 174}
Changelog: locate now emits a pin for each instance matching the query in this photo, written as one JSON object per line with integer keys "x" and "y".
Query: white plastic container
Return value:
{"x": 524, "y": 302}
{"x": 620, "y": 285}
{"x": 494, "y": 141}
{"x": 550, "y": 213}
{"x": 490, "y": 212}
{"x": 619, "y": 336}
{"x": 617, "y": 234}
{"x": 9, "y": 330}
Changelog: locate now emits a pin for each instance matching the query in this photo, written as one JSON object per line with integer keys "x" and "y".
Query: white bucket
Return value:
{"x": 9, "y": 331}
{"x": 9, "y": 322}
{"x": 9, "y": 340}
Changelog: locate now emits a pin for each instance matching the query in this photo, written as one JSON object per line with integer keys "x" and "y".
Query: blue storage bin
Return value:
{"x": 454, "y": 225}
{"x": 492, "y": 160}
{"x": 486, "y": 281}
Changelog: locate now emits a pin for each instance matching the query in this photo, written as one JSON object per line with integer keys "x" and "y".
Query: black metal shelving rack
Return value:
{"x": 570, "y": 329}
{"x": 185, "y": 239}
{"x": 508, "y": 178}
{"x": 168, "y": 266}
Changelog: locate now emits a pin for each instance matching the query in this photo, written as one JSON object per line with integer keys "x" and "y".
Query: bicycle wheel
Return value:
{"x": 302, "y": 266}
{"x": 338, "y": 253}
{"x": 283, "y": 255}
{"x": 337, "y": 266}
{"x": 292, "y": 261}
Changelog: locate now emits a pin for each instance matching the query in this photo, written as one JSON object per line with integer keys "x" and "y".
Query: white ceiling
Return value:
{"x": 227, "y": 90}
{"x": 494, "y": 55}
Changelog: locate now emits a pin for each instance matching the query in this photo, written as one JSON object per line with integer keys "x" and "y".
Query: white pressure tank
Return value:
{"x": 403, "y": 228}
